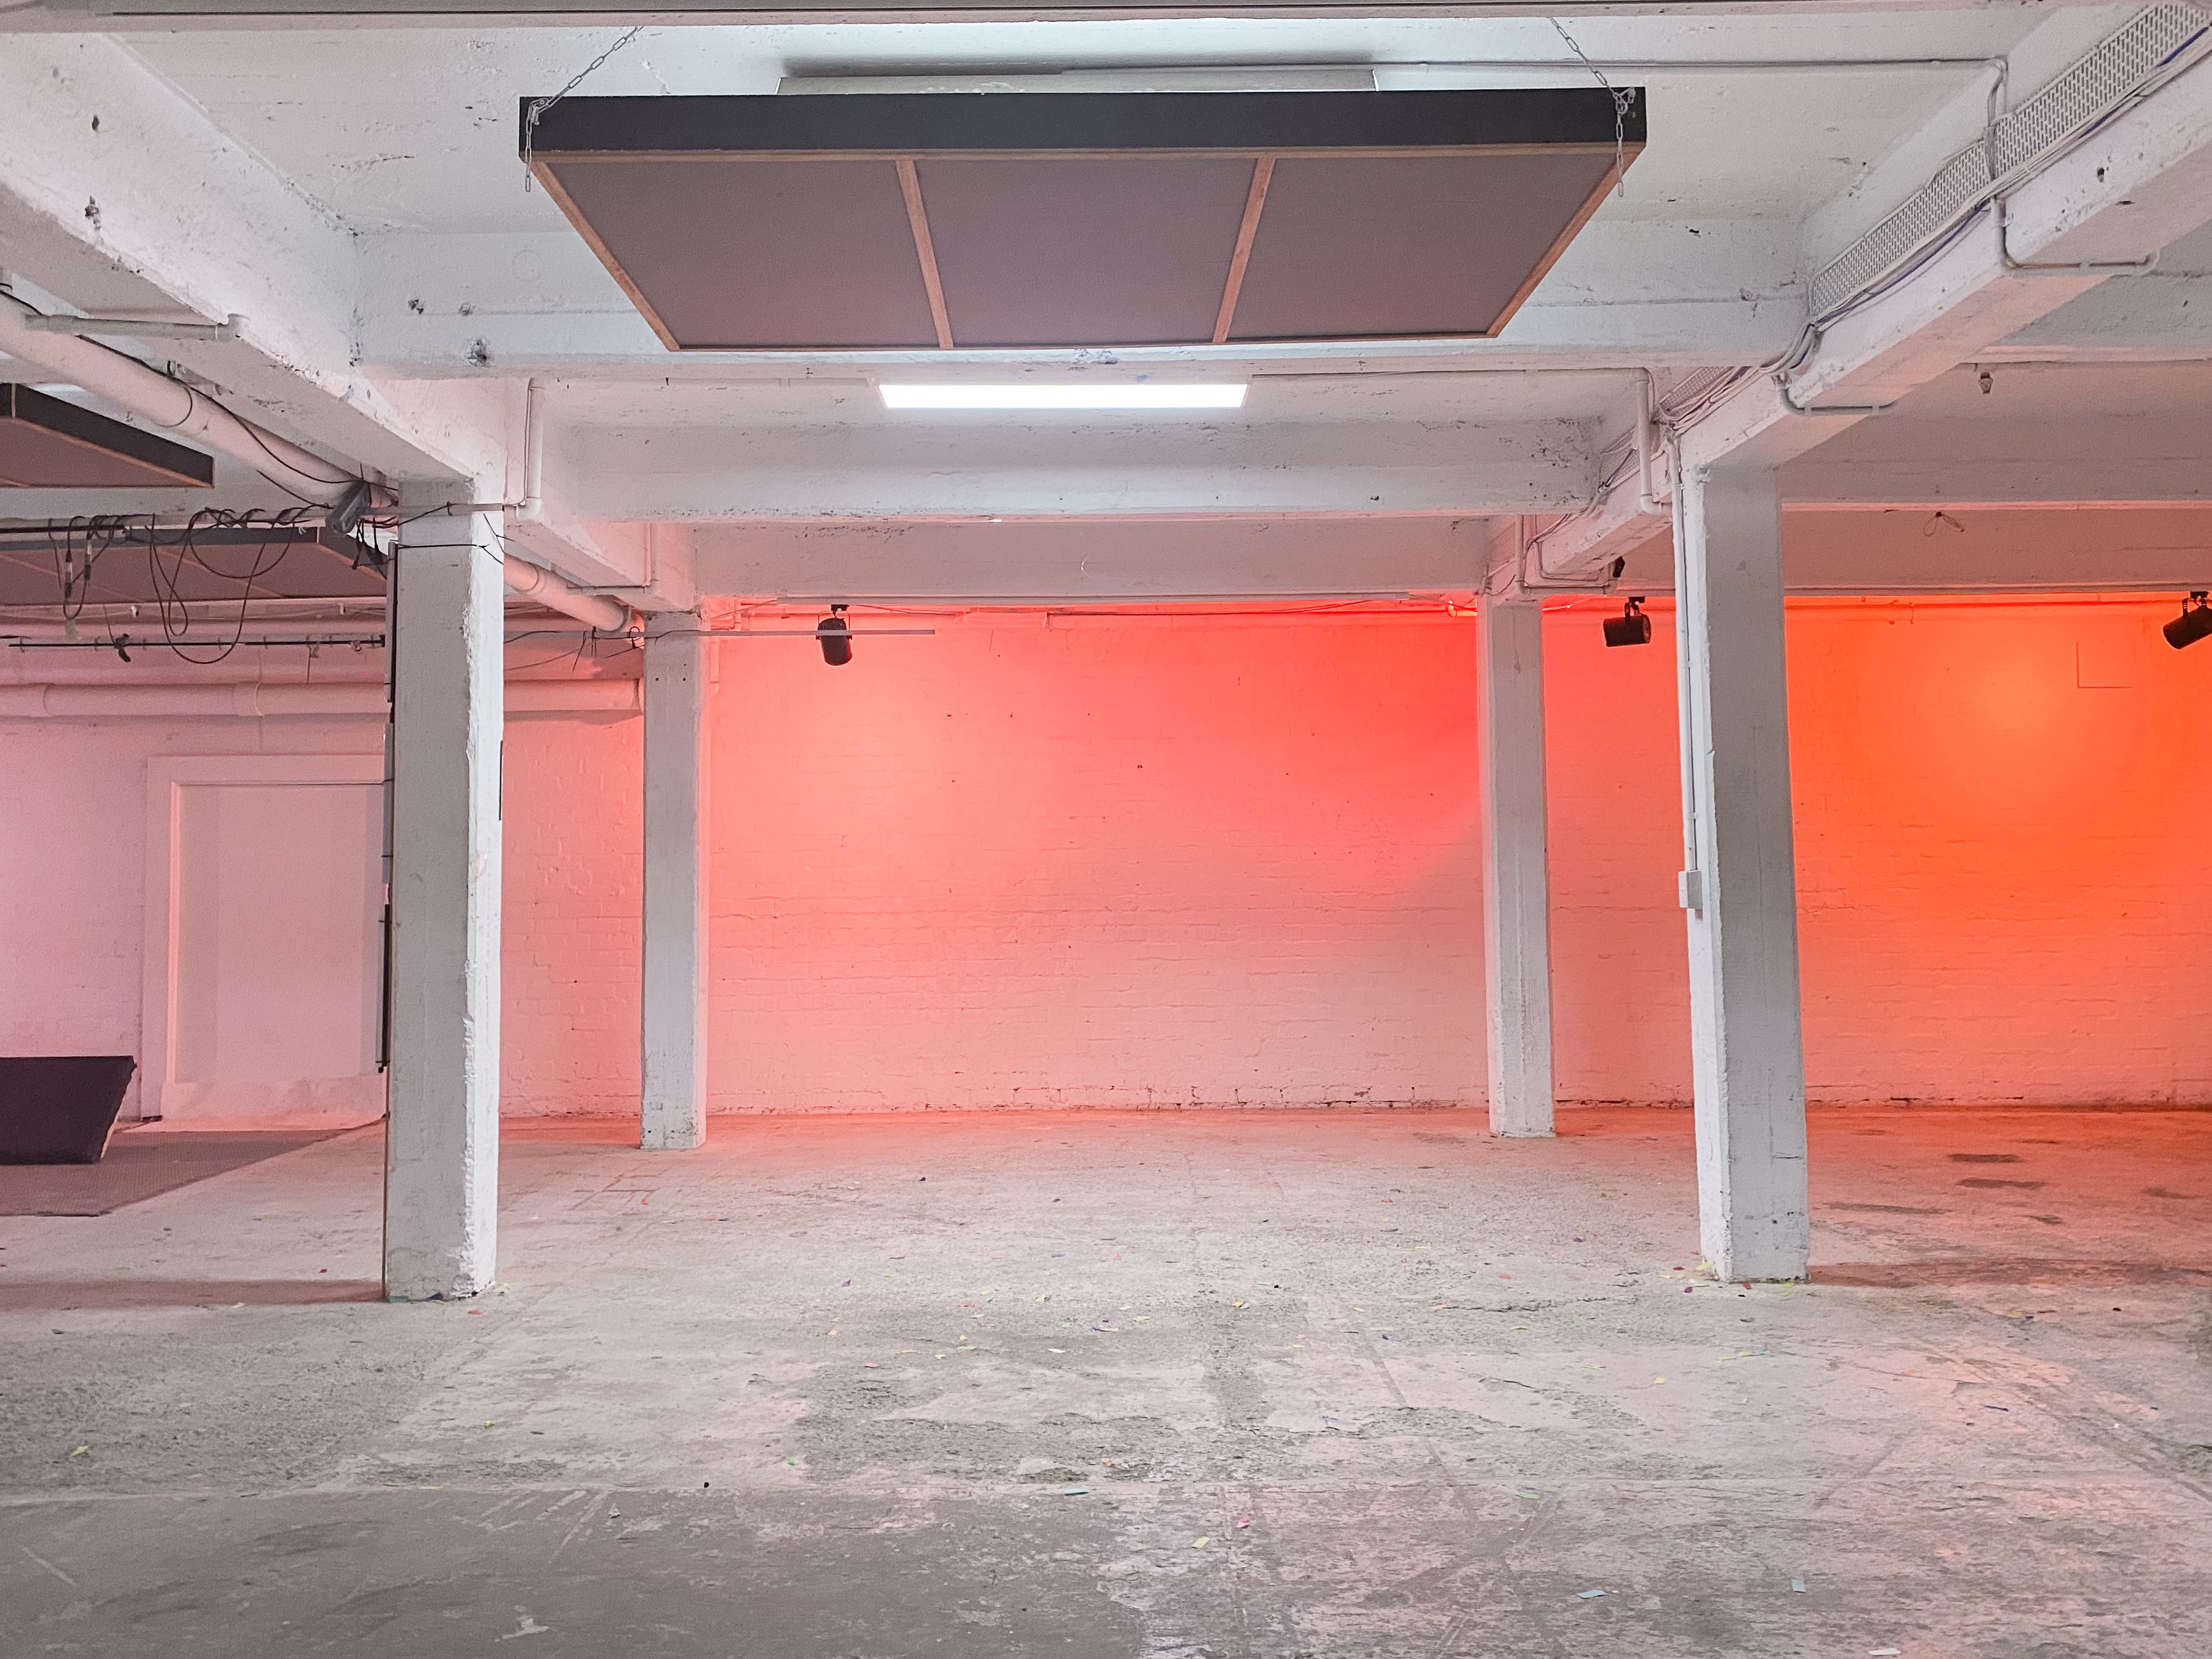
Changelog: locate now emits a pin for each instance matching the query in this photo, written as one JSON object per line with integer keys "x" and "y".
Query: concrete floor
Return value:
{"x": 1265, "y": 1383}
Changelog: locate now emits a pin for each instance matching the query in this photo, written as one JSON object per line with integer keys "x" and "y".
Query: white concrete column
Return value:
{"x": 1517, "y": 941}
{"x": 677, "y": 674}
{"x": 441, "y": 1164}
{"x": 1741, "y": 885}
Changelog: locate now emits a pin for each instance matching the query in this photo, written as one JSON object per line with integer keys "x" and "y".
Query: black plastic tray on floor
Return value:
{"x": 60, "y": 1108}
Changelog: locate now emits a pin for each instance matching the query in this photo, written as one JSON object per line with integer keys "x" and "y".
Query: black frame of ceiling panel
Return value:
{"x": 89, "y": 429}
{"x": 832, "y": 125}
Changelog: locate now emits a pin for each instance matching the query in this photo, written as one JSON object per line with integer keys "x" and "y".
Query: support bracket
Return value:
{"x": 1789, "y": 402}
{"x": 2143, "y": 267}
{"x": 139, "y": 328}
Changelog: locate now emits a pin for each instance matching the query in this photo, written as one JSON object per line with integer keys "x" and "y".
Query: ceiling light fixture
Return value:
{"x": 836, "y": 637}
{"x": 2194, "y": 622}
{"x": 1631, "y": 627}
{"x": 1124, "y": 395}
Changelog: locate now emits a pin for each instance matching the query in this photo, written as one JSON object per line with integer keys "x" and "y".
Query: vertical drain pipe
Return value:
{"x": 1691, "y": 881}
{"x": 1647, "y": 435}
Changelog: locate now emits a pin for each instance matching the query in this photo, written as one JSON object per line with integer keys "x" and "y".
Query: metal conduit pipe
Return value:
{"x": 353, "y": 699}
{"x": 146, "y": 633}
{"x": 166, "y": 401}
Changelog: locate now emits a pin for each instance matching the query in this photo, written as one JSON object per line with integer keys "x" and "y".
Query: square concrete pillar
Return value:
{"x": 678, "y": 666}
{"x": 1741, "y": 886}
{"x": 1516, "y": 947}
{"x": 442, "y": 1170}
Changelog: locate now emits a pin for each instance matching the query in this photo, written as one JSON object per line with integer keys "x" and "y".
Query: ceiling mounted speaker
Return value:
{"x": 1081, "y": 219}
{"x": 46, "y": 443}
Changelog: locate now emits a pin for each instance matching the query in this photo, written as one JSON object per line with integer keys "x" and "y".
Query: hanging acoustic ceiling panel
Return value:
{"x": 126, "y": 563}
{"x": 848, "y": 221}
{"x": 46, "y": 443}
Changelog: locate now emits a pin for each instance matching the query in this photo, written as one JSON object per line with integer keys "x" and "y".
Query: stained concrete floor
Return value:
{"x": 1260, "y": 1384}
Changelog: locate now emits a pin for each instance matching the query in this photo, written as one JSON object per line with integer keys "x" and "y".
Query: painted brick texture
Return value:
{"x": 1129, "y": 861}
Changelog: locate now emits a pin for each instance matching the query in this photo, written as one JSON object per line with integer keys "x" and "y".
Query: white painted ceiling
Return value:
{"x": 415, "y": 129}
{"x": 410, "y": 133}
{"x": 407, "y": 135}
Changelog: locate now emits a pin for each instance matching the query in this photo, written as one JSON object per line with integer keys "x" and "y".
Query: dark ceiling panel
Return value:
{"x": 1079, "y": 219}
{"x": 47, "y": 443}
{"x": 722, "y": 250}
{"x": 1425, "y": 245}
{"x": 222, "y": 566}
{"x": 1139, "y": 249}
{"x": 28, "y": 579}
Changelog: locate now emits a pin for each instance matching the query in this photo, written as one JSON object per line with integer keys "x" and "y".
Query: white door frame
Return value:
{"x": 168, "y": 777}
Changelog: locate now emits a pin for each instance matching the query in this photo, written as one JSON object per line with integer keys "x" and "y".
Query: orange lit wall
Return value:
{"x": 1121, "y": 862}
{"x": 2003, "y": 816}
{"x": 1135, "y": 860}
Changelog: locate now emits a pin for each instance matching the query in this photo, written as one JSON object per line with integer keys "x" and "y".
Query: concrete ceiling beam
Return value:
{"x": 1962, "y": 549}
{"x": 2142, "y": 181}
{"x": 179, "y": 16}
{"x": 2145, "y": 180}
{"x": 2161, "y": 317}
{"x": 964, "y": 468}
{"x": 1047, "y": 560}
{"x": 120, "y": 197}
{"x": 2027, "y": 475}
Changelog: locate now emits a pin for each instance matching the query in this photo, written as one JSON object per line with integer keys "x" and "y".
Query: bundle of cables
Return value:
{"x": 171, "y": 555}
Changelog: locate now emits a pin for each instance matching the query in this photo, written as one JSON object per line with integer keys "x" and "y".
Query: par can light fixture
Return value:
{"x": 1125, "y": 395}
{"x": 836, "y": 637}
{"x": 1631, "y": 627}
{"x": 2194, "y": 622}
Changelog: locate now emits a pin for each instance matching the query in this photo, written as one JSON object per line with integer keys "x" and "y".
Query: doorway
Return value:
{"x": 264, "y": 909}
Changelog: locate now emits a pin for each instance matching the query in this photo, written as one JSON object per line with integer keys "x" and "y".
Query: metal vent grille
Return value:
{"x": 2115, "y": 71}
{"x": 2096, "y": 84}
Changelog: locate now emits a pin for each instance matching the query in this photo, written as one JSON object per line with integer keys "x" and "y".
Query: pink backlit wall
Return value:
{"x": 1136, "y": 860}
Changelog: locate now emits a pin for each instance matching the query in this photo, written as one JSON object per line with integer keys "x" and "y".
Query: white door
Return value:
{"x": 274, "y": 952}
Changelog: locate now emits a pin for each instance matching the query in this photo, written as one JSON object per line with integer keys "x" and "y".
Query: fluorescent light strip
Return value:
{"x": 1125, "y": 395}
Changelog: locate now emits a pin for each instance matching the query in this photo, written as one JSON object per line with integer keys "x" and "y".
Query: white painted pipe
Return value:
{"x": 529, "y": 579}
{"x": 1647, "y": 440}
{"x": 341, "y": 700}
{"x": 541, "y": 586}
{"x": 172, "y": 405}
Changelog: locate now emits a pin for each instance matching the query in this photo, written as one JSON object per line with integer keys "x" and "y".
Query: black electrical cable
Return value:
{"x": 174, "y": 605}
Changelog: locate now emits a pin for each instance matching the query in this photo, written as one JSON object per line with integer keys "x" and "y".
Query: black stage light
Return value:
{"x": 1631, "y": 627}
{"x": 836, "y": 638}
{"x": 2194, "y": 622}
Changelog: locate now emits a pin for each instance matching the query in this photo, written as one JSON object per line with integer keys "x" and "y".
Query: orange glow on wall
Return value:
{"x": 1118, "y": 860}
